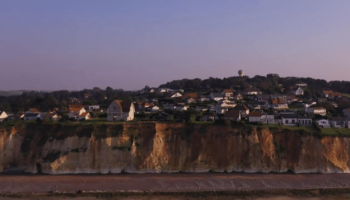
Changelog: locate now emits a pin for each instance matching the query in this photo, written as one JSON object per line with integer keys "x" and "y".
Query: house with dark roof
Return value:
{"x": 32, "y": 116}
{"x": 32, "y": 110}
{"x": 293, "y": 120}
{"x": 255, "y": 116}
{"x": 243, "y": 109}
{"x": 233, "y": 115}
{"x": 120, "y": 110}
{"x": 208, "y": 117}
{"x": 216, "y": 96}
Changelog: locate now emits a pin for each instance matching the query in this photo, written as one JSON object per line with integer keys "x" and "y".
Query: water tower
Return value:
{"x": 240, "y": 73}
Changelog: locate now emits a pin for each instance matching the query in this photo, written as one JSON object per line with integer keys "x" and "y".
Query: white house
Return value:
{"x": 298, "y": 91}
{"x": 3, "y": 115}
{"x": 216, "y": 96}
{"x": 323, "y": 123}
{"x": 289, "y": 120}
{"x": 120, "y": 111}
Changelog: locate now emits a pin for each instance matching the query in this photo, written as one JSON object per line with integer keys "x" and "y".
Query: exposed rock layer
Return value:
{"x": 161, "y": 147}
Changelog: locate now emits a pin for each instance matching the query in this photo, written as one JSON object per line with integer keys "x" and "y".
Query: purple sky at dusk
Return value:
{"x": 72, "y": 44}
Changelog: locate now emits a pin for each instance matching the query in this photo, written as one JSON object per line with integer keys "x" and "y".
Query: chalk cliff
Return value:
{"x": 165, "y": 147}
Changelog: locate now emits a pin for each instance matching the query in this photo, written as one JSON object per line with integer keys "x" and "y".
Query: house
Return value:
{"x": 93, "y": 107}
{"x": 84, "y": 116}
{"x": 309, "y": 104}
{"x": 181, "y": 107}
{"x": 255, "y": 116}
{"x": 268, "y": 119}
{"x": 173, "y": 95}
{"x": 190, "y": 100}
{"x": 292, "y": 98}
{"x": 237, "y": 96}
{"x": 77, "y": 111}
{"x": 216, "y": 96}
{"x": 279, "y": 106}
{"x": 164, "y": 90}
{"x": 337, "y": 122}
{"x": 346, "y": 112}
{"x": 201, "y": 109}
{"x": 32, "y": 110}
{"x": 316, "y": 111}
{"x": 142, "y": 106}
{"x": 251, "y": 91}
{"x": 243, "y": 109}
{"x": 226, "y": 104}
{"x": 147, "y": 90}
{"x": 298, "y": 91}
{"x": 120, "y": 110}
{"x": 300, "y": 84}
{"x": 330, "y": 94}
{"x": 31, "y": 116}
{"x": 208, "y": 117}
{"x": 305, "y": 121}
{"x": 228, "y": 93}
{"x": 204, "y": 98}
{"x": 233, "y": 115}
{"x": 190, "y": 95}
{"x": 155, "y": 109}
{"x": 323, "y": 123}
{"x": 50, "y": 115}
{"x": 289, "y": 120}
{"x": 220, "y": 110}
{"x": 168, "y": 106}
{"x": 86, "y": 96}
{"x": 3, "y": 116}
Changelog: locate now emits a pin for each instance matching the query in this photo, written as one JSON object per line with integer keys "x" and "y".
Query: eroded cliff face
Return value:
{"x": 161, "y": 147}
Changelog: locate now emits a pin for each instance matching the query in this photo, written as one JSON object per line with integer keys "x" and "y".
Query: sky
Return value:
{"x": 77, "y": 44}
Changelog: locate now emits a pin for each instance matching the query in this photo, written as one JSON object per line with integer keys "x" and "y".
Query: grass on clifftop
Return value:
{"x": 335, "y": 131}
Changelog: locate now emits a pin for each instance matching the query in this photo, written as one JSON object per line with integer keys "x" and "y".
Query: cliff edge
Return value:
{"x": 168, "y": 147}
